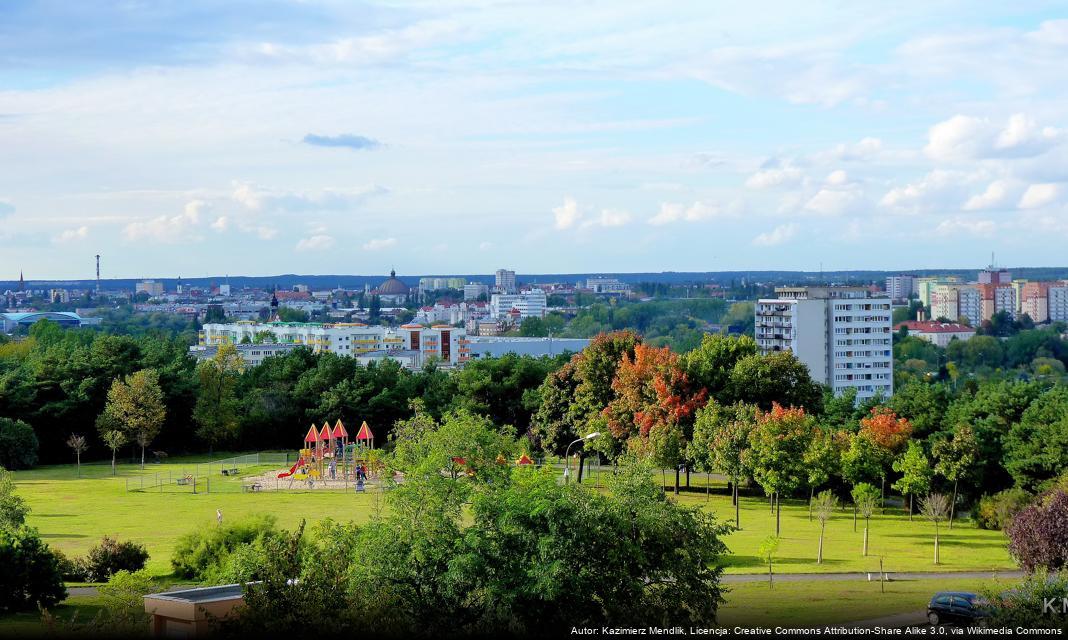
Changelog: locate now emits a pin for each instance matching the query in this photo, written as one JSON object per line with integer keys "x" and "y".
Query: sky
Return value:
{"x": 193, "y": 138}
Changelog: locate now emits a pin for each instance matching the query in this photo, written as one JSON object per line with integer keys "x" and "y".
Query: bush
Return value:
{"x": 71, "y": 570}
{"x": 996, "y": 512}
{"x": 13, "y": 508}
{"x": 18, "y": 444}
{"x": 111, "y": 556}
{"x": 1038, "y": 537}
{"x": 1020, "y": 605}
{"x": 123, "y": 600}
{"x": 30, "y": 577}
{"x": 204, "y": 553}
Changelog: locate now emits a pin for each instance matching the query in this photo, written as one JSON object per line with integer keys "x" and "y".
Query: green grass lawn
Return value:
{"x": 830, "y": 601}
{"x": 74, "y": 513}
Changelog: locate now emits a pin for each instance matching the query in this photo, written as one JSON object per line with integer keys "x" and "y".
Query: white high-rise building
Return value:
{"x": 505, "y": 282}
{"x": 474, "y": 290}
{"x": 530, "y": 304}
{"x": 901, "y": 287}
{"x": 842, "y": 334}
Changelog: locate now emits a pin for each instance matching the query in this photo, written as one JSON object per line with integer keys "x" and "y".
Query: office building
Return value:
{"x": 529, "y": 304}
{"x": 842, "y": 334}
{"x": 505, "y": 281}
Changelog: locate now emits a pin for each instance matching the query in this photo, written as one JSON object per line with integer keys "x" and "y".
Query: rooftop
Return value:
{"x": 931, "y": 326}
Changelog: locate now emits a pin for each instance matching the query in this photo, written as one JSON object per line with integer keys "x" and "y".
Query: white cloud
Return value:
{"x": 837, "y": 178}
{"x": 779, "y": 235}
{"x": 677, "y": 212}
{"x": 774, "y": 177}
{"x": 485, "y": 246}
{"x": 222, "y": 223}
{"x": 377, "y": 244}
{"x": 962, "y": 138}
{"x": 71, "y": 235}
{"x": 961, "y": 225}
{"x": 567, "y": 214}
{"x": 997, "y": 194}
{"x": 865, "y": 149}
{"x": 939, "y": 189}
{"x": 167, "y": 229}
{"x": 260, "y": 199}
{"x": 315, "y": 243}
{"x": 1039, "y": 195}
{"x": 833, "y": 202}
{"x": 610, "y": 218}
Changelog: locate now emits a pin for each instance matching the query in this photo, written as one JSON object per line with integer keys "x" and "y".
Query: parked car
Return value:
{"x": 957, "y": 607}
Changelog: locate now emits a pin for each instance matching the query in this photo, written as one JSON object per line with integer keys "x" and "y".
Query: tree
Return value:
{"x": 216, "y": 411}
{"x": 936, "y": 509}
{"x": 821, "y": 459}
{"x": 826, "y": 503}
{"x": 954, "y": 460}
{"x": 865, "y": 499}
{"x": 18, "y": 442}
{"x": 595, "y": 370}
{"x": 13, "y": 509}
{"x": 31, "y": 577}
{"x": 553, "y": 425}
{"x": 1036, "y": 447}
{"x": 768, "y": 548}
{"x": 78, "y": 445}
{"x": 136, "y": 403}
{"x": 888, "y": 433}
{"x": 915, "y": 470}
{"x": 776, "y": 452}
{"x": 776, "y": 378}
{"x": 711, "y": 363}
{"x": 1038, "y": 537}
{"x": 720, "y": 439}
{"x": 114, "y": 439}
{"x": 862, "y": 460}
{"x": 654, "y": 403}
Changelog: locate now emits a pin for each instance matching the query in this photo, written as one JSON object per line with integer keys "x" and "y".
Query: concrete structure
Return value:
{"x": 1058, "y": 303}
{"x": 939, "y": 333}
{"x": 842, "y": 334}
{"x": 529, "y": 304}
{"x": 392, "y": 291}
{"x": 997, "y": 298}
{"x": 998, "y": 277}
{"x": 151, "y": 287}
{"x": 608, "y": 285}
{"x": 971, "y": 306}
{"x": 901, "y": 287}
{"x": 505, "y": 281}
{"x": 252, "y": 354}
{"x": 60, "y": 296}
{"x": 191, "y": 612}
{"x": 442, "y": 342}
{"x": 925, "y": 285}
{"x": 944, "y": 300}
{"x": 475, "y": 290}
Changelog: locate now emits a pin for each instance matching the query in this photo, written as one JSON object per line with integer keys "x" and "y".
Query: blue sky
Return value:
{"x": 325, "y": 136}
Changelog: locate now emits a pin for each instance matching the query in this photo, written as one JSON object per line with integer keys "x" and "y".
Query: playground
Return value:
{"x": 327, "y": 460}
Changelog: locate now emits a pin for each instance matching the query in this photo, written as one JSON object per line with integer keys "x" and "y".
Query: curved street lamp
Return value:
{"x": 567, "y": 454}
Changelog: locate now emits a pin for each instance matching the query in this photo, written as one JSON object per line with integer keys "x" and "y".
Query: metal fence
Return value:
{"x": 214, "y": 476}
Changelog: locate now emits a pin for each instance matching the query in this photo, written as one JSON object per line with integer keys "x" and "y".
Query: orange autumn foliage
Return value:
{"x": 651, "y": 390}
{"x": 885, "y": 429}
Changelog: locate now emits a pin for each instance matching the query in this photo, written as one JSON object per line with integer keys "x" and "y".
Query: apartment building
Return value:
{"x": 842, "y": 334}
{"x": 1034, "y": 300}
{"x": 901, "y": 287}
{"x": 612, "y": 286}
{"x": 505, "y": 281}
{"x": 944, "y": 300}
{"x": 475, "y": 290}
{"x": 1057, "y": 303}
{"x": 444, "y": 343}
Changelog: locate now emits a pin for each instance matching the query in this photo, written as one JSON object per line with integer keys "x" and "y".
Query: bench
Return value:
{"x": 185, "y": 480}
{"x": 230, "y": 472}
{"x": 255, "y": 486}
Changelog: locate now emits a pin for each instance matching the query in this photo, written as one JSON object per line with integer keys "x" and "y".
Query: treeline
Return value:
{"x": 1031, "y": 354}
{"x": 57, "y": 382}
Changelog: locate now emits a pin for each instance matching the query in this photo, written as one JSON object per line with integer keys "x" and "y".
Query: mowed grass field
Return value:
{"x": 74, "y": 513}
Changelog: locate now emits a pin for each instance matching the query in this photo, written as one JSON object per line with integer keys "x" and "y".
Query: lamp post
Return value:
{"x": 567, "y": 454}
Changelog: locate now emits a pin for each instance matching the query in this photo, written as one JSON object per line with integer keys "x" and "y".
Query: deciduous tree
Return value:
{"x": 955, "y": 460}
{"x": 915, "y": 470}
{"x": 136, "y": 403}
{"x": 777, "y": 446}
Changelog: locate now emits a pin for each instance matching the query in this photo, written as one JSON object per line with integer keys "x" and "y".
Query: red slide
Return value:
{"x": 293, "y": 469}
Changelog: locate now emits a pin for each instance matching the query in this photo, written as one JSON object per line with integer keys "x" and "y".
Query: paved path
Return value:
{"x": 858, "y": 575}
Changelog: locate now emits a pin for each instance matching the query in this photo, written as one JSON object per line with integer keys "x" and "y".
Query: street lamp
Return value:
{"x": 567, "y": 453}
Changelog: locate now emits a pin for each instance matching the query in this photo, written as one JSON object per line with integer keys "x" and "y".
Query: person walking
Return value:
{"x": 218, "y": 517}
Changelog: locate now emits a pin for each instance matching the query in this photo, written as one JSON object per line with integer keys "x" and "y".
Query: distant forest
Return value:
{"x": 321, "y": 282}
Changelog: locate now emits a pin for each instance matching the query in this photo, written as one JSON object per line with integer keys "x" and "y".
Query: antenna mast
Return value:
{"x": 98, "y": 273}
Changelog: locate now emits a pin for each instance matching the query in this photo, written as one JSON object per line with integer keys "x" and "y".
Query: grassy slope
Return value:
{"x": 74, "y": 513}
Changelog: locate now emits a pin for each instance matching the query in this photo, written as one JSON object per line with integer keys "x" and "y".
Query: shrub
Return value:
{"x": 111, "y": 556}
{"x": 203, "y": 553}
{"x": 13, "y": 508}
{"x": 123, "y": 600}
{"x": 1038, "y": 537}
{"x": 30, "y": 577}
{"x": 71, "y": 570}
{"x": 996, "y": 511}
{"x": 1020, "y": 605}
{"x": 18, "y": 444}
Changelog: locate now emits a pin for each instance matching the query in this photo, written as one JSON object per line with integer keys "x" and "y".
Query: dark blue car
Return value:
{"x": 956, "y": 607}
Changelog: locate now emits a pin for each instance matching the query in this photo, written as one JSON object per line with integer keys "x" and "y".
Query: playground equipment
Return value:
{"x": 327, "y": 454}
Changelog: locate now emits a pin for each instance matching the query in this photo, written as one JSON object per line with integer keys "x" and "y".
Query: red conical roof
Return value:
{"x": 339, "y": 430}
{"x": 324, "y": 435}
{"x": 313, "y": 435}
{"x": 365, "y": 432}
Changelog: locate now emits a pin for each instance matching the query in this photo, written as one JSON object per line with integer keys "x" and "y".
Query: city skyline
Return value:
{"x": 325, "y": 137}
